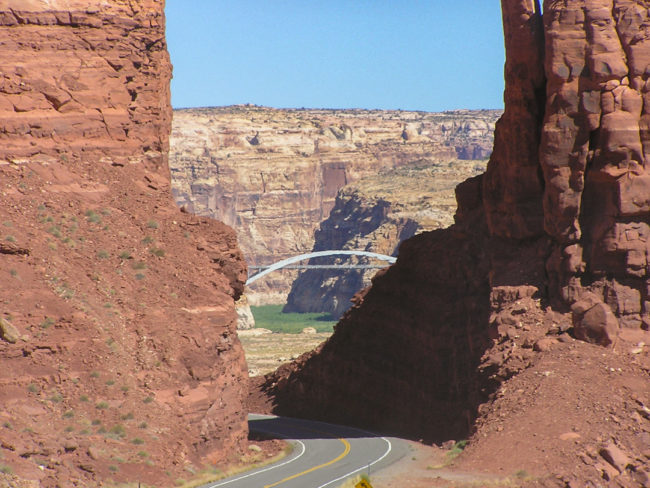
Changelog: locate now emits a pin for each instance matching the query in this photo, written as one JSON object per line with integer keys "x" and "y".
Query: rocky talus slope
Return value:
{"x": 505, "y": 314}
{"x": 120, "y": 360}
{"x": 376, "y": 214}
{"x": 274, "y": 174}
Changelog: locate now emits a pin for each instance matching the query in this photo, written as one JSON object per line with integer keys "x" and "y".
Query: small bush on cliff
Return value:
{"x": 93, "y": 217}
{"x": 156, "y": 251}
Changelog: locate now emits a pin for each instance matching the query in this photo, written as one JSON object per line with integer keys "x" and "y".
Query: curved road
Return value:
{"x": 324, "y": 455}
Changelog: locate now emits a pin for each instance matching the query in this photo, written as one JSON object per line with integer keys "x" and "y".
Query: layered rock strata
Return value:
{"x": 274, "y": 174}
{"x": 84, "y": 78}
{"x": 550, "y": 239}
{"x": 376, "y": 214}
{"x": 118, "y": 317}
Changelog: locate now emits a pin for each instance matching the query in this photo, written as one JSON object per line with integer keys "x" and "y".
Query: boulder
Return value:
{"x": 597, "y": 325}
{"x": 8, "y": 332}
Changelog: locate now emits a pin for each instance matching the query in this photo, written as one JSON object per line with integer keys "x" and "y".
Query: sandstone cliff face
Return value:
{"x": 376, "y": 214}
{"x": 92, "y": 80}
{"x": 274, "y": 174}
{"x": 551, "y": 239}
{"x": 118, "y": 310}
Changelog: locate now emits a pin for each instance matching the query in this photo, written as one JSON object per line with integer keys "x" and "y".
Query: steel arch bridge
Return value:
{"x": 296, "y": 259}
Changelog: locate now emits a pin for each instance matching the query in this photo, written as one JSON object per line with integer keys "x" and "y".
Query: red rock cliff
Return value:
{"x": 552, "y": 238}
{"x": 117, "y": 332}
{"x": 84, "y": 78}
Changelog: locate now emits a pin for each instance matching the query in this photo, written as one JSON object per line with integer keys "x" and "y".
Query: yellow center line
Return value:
{"x": 345, "y": 452}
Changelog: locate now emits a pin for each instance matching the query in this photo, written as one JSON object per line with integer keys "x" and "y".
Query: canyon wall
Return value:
{"x": 376, "y": 214}
{"x": 117, "y": 316}
{"x": 551, "y": 239}
{"x": 274, "y": 174}
{"x": 84, "y": 78}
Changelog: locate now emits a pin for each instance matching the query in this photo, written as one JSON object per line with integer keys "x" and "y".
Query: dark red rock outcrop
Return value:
{"x": 552, "y": 238}
{"x": 118, "y": 319}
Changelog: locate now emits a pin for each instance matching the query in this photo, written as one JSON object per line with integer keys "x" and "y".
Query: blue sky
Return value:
{"x": 427, "y": 55}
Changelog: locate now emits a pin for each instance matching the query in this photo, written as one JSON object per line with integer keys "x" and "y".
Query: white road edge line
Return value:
{"x": 390, "y": 446}
{"x": 263, "y": 470}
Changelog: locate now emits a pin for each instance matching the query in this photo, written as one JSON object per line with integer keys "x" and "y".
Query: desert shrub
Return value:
{"x": 156, "y": 251}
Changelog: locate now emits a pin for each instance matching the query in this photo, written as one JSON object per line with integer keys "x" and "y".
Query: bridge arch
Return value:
{"x": 302, "y": 257}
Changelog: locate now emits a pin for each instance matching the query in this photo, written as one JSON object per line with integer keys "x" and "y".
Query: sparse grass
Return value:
{"x": 93, "y": 217}
{"x": 139, "y": 265}
{"x": 213, "y": 474}
{"x": 140, "y": 276}
{"x": 125, "y": 255}
{"x": 101, "y": 254}
{"x": 47, "y": 323}
{"x": 68, "y": 414}
{"x": 137, "y": 441}
{"x": 55, "y": 231}
{"x": 143, "y": 425}
{"x": 7, "y": 425}
{"x": 13, "y": 272}
{"x": 4, "y": 469}
{"x": 118, "y": 430}
{"x": 452, "y": 454}
{"x": 83, "y": 398}
{"x": 128, "y": 416}
{"x": 113, "y": 468}
{"x": 110, "y": 382}
{"x": 147, "y": 240}
{"x": 156, "y": 251}
{"x": 148, "y": 400}
{"x": 96, "y": 422}
{"x": 143, "y": 454}
{"x": 124, "y": 388}
{"x": 152, "y": 224}
{"x": 56, "y": 398}
{"x": 32, "y": 388}
{"x": 101, "y": 406}
{"x": 271, "y": 317}
{"x": 69, "y": 428}
{"x": 10, "y": 238}
{"x": 94, "y": 374}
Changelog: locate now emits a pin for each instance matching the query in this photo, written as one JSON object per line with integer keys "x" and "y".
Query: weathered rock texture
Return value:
{"x": 84, "y": 78}
{"x": 274, "y": 174}
{"x": 552, "y": 238}
{"x": 116, "y": 307}
{"x": 376, "y": 214}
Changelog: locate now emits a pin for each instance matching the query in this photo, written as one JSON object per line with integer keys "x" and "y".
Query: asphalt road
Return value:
{"x": 324, "y": 455}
